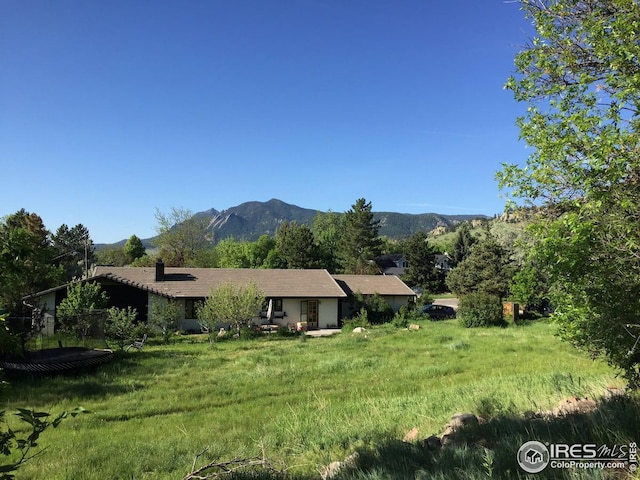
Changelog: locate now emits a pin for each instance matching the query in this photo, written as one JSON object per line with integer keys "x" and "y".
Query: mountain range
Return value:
{"x": 250, "y": 220}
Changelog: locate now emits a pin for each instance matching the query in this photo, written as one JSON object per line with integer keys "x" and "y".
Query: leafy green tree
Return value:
{"x": 579, "y": 79}
{"x": 180, "y": 236}
{"x": 420, "y": 256}
{"x": 296, "y": 246}
{"x": 26, "y": 260}
{"x": 74, "y": 250}
{"x": 359, "y": 241}
{"x": 78, "y": 312}
{"x": 487, "y": 269}
{"x": 326, "y": 232}
{"x": 121, "y": 325}
{"x": 258, "y": 251}
{"x": 233, "y": 254}
{"x": 237, "y": 305}
{"x": 166, "y": 316}
{"x": 112, "y": 256}
{"x": 134, "y": 248}
{"x": 462, "y": 244}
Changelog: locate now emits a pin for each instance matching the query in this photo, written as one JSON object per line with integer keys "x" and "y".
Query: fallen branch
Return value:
{"x": 217, "y": 469}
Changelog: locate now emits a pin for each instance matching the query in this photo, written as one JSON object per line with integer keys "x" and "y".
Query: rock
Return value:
{"x": 414, "y": 326}
{"x": 432, "y": 443}
{"x": 458, "y": 421}
{"x": 573, "y": 405}
{"x": 463, "y": 420}
{"x": 411, "y": 436}
{"x": 614, "y": 392}
{"x": 332, "y": 470}
{"x": 359, "y": 330}
{"x": 222, "y": 333}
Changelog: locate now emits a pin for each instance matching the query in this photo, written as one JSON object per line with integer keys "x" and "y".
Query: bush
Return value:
{"x": 480, "y": 310}
{"x": 360, "y": 320}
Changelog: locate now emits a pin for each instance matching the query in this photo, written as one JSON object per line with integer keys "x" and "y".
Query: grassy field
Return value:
{"x": 310, "y": 401}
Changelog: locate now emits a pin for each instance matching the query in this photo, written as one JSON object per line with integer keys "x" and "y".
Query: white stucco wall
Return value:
{"x": 327, "y": 311}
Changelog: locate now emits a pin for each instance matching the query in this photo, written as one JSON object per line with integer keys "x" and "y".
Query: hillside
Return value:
{"x": 250, "y": 220}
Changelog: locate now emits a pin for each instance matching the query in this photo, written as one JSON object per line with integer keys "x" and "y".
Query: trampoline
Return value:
{"x": 54, "y": 360}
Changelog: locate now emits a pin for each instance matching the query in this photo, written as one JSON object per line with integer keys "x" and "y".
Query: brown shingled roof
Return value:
{"x": 371, "y": 284}
{"x": 197, "y": 282}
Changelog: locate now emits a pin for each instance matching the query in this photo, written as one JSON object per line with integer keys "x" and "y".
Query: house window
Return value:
{"x": 191, "y": 308}
{"x": 277, "y": 304}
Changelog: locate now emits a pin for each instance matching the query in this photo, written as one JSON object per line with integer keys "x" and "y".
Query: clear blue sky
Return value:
{"x": 111, "y": 109}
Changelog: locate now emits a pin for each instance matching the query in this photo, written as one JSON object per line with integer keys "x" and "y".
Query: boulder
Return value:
{"x": 332, "y": 470}
{"x": 414, "y": 326}
{"x": 359, "y": 330}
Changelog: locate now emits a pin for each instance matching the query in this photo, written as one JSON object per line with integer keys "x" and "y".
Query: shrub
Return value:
{"x": 360, "y": 320}
{"x": 480, "y": 310}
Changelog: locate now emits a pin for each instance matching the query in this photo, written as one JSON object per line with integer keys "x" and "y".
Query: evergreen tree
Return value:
{"x": 296, "y": 246}
{"x": 74, "y": 250}
{"x": 359, "y": 241}
{"x": 487, "y": 269}
{"x": 462, "y": 244}
{"x": 420, "y": 256}
{"x": 26, "y": 260}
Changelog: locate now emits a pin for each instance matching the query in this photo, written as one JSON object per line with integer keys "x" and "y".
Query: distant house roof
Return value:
{"x": 370, "y": 284}
{"x": 197, "y": 282}
{"x": 179, "y": 282}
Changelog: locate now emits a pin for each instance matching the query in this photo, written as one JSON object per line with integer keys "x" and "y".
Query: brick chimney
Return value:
{"x": 160, "y": 271}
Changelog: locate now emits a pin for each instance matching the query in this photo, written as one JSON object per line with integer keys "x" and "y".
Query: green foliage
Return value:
{"x": 359, "y": 241}
{"x": 462, "y": 243}
{"x": 480, "y": 310}
{"x": 26, "y": 260}
{"x": 17, "y": 445}
{"x": 487, "y": 269}
{"x": 180, "y": 236}
{"x": 360, "y": 320}
{"x": 422, "y": 270}
{"x": 166, "y": 315}
{"x": 579, "y": 78}
{"x": 376, "y": 307}
{"x": 529, "y": 287}
{"x": 121, "y": 325}
{"x": 326, "y": 232}
{"x": 402, "y": 317}
{"x": 233, "y": 254}
{"x": 230, "y": 304}
{"x": 296, "y": 246}
{"x": 73, "y": 250}
{"x": 9, "y": 343}
{"x": 113, "y": 256}
{"x": 78, "y": 312}
{"x": 133, "y": 248}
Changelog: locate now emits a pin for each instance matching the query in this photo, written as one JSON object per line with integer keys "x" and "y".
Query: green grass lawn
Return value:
{"x": 306, "y": 402}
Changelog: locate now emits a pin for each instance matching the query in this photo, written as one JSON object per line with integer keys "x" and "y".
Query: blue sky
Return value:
{"x": 111, "y": 109}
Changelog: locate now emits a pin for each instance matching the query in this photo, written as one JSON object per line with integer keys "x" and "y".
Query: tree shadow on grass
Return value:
{"x": 489, "y": 450}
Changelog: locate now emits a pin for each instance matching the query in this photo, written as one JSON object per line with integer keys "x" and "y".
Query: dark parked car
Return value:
{"x": 438, "y": 312}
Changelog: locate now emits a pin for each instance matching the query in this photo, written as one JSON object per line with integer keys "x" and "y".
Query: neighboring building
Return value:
{"x": 443, "y": 262}
{"x": 395, "y": 292}
{"x": 391, "y": 264}
{"x": 311, "y": 296}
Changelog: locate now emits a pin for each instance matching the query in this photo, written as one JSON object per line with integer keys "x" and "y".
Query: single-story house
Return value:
{"x": 393, "y": 290}
{"x": 313, "y": 296}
